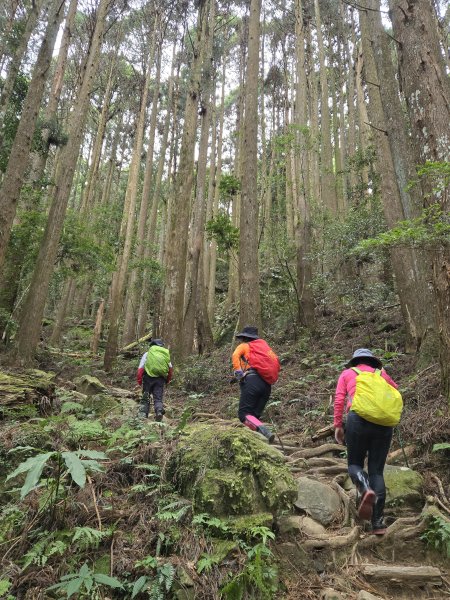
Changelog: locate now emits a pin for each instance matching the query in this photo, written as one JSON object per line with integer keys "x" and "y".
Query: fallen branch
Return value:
{"x": 134, "y": 344}
{"x": 399, "y": 455}
{"x": 337, "y": 541}
{"x": 417, "y": 575}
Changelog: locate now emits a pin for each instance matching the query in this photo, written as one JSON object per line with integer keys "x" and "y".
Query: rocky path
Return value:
{"x": 397, "y": 565}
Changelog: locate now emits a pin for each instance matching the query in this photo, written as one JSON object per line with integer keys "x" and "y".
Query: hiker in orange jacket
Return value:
{"x": 254, "y": 389}
{"x": 362, "y": 439}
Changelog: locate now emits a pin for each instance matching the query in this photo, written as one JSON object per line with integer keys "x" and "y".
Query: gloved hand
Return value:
{"x": 239, "y": 375}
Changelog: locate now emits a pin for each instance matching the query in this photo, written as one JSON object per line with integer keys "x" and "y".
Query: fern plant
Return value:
{"x": 156, "y": 587}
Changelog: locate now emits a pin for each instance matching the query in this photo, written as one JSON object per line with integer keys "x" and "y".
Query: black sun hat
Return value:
{"x": 362, "y": 353}
{"x": 248, "y": 332}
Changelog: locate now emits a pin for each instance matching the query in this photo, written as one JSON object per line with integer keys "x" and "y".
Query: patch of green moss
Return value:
{"x": 103, "y": 564}
{"x": 101, "y": 404}
{"x": 229, "y": 471}
{"x": 241, "y": 526}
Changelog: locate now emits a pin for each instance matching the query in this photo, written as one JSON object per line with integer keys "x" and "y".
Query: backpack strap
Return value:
{"x": 358, "y": 371}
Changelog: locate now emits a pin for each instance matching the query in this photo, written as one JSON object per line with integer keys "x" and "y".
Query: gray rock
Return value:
{"x": 300, "y": 524}
{"x": 363, "y": 595}
{"x": 318, "y": 500}
{"x": 330, "y": 594}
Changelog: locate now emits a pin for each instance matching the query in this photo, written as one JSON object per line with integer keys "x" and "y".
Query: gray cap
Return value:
{"x": 156, "y": 342}
{"x": 363, "y": 353}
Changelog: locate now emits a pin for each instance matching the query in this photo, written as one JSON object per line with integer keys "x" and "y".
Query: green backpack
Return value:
{"x": 157, "y": 362}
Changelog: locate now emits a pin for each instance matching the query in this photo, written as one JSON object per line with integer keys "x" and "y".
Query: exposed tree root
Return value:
{"x": 317, "y": 451}
{"x": 337, "y": 541}
{"x": 332, "y": 470}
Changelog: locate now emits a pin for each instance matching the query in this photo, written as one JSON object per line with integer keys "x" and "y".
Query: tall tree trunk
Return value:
{"x": 403, "y": 260}
{"x": 33, "y": 310}
{"x": 426, "y": 87}
{"x": 127, "y": 228}
{"x": 155, "y": 203}
{"x": 135, "y": 281}
{"x": 249, "y": 299}
{"x": 215, "y": 208}
{"x": 16, "y": 60}
{"x": 327, "y": 172}
{"x": 196, "y": 288}
{"x": 177, "y": 250}
{"x": 18, "y": 158}
{"x": 62, "y": 311}
{"x": 39, "y": 159}
{"x": 302, "y": 219}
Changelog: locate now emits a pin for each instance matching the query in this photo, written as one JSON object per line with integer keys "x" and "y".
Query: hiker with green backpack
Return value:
{"x": 154, "y": 371}
{"x": 373, "y": 406}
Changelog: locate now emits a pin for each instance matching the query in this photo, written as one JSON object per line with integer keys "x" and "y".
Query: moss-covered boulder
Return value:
{"x": 26, "y": 394}
{"x": 86, "y": 384}
{"x": 404, "y": 487}
{"x": 102, "y": 404}
{"x": 227, "y": 471}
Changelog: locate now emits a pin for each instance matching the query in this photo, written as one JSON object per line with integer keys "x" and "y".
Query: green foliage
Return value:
{"x": 11, "y": 519}
{"x": 86, "y": 583}
{"x": 437, "y": 174}
{"x": 443, "y": 446}
{"x": 65, "y": 463}
{"x": 4, "y": 587}
{"x": 437, "y": 534}
{"x": 229, "y": 186}
{"x": 258, "y": 579}
{"x": 212, "y": 525}
{"x": 86, "y": 538}
{"x": 157, "y": 586}
{"x": 174, "y": 511}
{"x": 221, "y": 229}
{"x": 48, "y": 545}
{"x": 431, "y": 228}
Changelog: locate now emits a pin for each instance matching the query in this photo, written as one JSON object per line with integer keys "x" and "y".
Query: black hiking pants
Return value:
{"x": 367, "y": 439}
{"x": 255, "y": 393}
{"x": 152, "y": 386}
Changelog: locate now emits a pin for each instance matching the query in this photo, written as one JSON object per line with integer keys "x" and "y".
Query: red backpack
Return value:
{"x": 264, "y": 360}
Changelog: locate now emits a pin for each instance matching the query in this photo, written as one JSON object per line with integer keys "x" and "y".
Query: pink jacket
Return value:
{"x": 345, "y": 389}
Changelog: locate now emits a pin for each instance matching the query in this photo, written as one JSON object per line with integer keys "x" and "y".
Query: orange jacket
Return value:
{"x": 240, "y": 357}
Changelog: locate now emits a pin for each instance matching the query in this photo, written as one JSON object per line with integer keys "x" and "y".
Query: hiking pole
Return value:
{"x": 402, "y": 447}
{"x": 278, "y": 435}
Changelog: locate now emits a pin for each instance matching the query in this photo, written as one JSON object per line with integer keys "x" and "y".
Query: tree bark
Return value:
{"x": 426, "y": 87}
{"x": 127, "y": 228}
{"x": 19, "y": 156}
{"x": 33, "y": 310}
{"x": 249, "y": 298}
{"x": 179, "y": 224}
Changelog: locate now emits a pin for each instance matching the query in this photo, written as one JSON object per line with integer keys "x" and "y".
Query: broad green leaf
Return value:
{"x": 75, "y": 467}
{"x": 138, "y": 586}
{"x": 443, "y": 446}
{"x": 34, "y": 473}
{"x": 74, "y": 586}
{"x": 107, "y": 580}
{"x": 27, "y": 465}
{"x": 92, "y": 454}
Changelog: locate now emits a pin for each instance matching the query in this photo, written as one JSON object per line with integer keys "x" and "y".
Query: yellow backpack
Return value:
{"x": 375, "y": 400}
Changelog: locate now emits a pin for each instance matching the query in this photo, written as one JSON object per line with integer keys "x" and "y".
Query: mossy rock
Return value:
{"x": 101, "y": 404}
{"x": 228, "y": 471}
{"x": 86, "y": 384}
{"x": 21, "y": 393}
{"x": 404, "y": 487}
{"x": 26, "y": 438}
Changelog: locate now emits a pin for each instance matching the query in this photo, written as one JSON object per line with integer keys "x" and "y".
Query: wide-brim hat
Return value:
{"x": 248, "y": 332}
{"x": 363, "y": 353}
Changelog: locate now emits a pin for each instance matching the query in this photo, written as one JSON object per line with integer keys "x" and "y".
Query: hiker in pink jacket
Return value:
{"x": 363, "y": 439}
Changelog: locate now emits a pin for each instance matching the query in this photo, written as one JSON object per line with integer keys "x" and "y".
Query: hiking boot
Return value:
{"x": 159, "y": 415}
{"x": 266, "y": 433}
{"x": 378, "y": 525}
{"x": 367, "y": 496}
